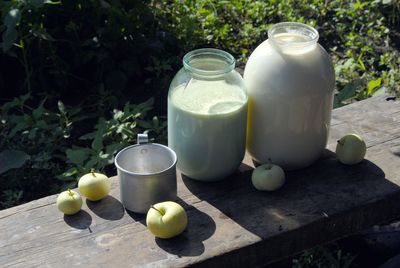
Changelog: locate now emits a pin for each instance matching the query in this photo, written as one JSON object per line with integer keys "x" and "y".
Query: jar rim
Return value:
{"x": 226, "y": 62}
{"x": 302, "y": 29}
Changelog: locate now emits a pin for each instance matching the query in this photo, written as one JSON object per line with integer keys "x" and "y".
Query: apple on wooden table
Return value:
{"x": 94, "y": 186}
{"x": 69, "y": 202}
{"x": 166, "y": 219}
{"x": 351, "y": 149}
{"x": 268, "y": 177}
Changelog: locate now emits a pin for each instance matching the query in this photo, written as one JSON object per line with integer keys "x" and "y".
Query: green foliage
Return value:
{"x": 330, "y": 256}
{"x": 133, "y": 48}
{"x": 32, "y": 140}
{"x": 95, "y": 45}
{"x": 10, "y": 159}
{"x": 110, "y": 136}
{"x": 44, "y": 151}
{"x": 361, "y": 36}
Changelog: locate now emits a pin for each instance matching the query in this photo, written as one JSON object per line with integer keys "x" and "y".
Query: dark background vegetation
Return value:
{"x": 80, "y": 78}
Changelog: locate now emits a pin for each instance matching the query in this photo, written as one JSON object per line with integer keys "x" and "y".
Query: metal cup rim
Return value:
{"x": 175, "y": 159}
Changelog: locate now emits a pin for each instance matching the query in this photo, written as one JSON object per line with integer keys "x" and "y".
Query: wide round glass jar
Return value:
{"x": 207, "y": 114}
{"x": 290, "y": 81}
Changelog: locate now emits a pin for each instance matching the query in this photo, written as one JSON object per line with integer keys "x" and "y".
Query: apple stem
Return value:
{"x": 92, "y": 171}
{"x": 341, "y": 143}
{"x": 156, "y": 209}
{"x": 70, "y": 192}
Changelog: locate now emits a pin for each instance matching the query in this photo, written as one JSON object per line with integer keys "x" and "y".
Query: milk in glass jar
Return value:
{"x": 207, "y": 115}
{"x": 290, "y": 82}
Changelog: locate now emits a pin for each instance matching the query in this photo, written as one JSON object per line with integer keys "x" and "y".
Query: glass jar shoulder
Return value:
{"x": 184, "y": 78}
{"x": 205, "y": 97}
{"x": 268, "y": 54}
{"x": 281, "y": 72}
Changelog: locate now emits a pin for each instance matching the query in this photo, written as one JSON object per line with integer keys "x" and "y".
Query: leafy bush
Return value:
{"x": 133, "y": 48}
{"x": 43, "y": 151}
{"x": 360, "y": 35}
{"x": 32, "y": 139}
{"x": 84, "y": 48}
{"x": 330, "y": 256}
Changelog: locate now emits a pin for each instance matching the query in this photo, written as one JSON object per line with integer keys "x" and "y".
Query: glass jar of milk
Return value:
{"x": 207, "y": 114}
{"x": 290, "y": 82}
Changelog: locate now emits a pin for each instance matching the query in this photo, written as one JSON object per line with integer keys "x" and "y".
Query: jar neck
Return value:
{"x": 208, "y": 62}
{"x": 293, "y": 37}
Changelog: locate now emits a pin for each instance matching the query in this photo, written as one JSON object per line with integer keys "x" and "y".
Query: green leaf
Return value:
{"x": 41, "y": 124}
{"x": 18, "y": 127}
{"x": 147, "y": 105}
{"x": 350, "y": 90}
{"x": 373, "y": 84}
{"x": 42, "y": 34}
{"x": 12, "y": 18}
{"x": 94, "y": 162}
{"x": 38, "y": 112}
{"x": 9, "y": 37}
{"x": 68, "y": 175}
{"x": 97, "y": 143}
{"x": 114, "y": 148}
{"x": 10, "y": 159}
{"x": 77, "y": 156}
{"x": 35, "y": 3}
{"x": 88, "y": 136}
{"x": 61, "y": 108}
{"x": 360, "y": 61}
{"x": 156, "y": 122}
{"x": 24, "y": 98}
{"x": 40, "y": 3}
{"x": 70, "y": 185}
{"x": 10, "y": 34}
{"x": 52, "y": 2}
{"x": 145, "y": 124}
{"x": 129, "y": 133}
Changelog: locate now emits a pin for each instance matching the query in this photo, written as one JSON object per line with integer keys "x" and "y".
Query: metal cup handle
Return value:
{"x": 142, "y": 138}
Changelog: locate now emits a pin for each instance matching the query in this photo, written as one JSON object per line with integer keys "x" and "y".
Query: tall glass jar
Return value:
{"x": 207, "y": 114}
{"x": 290, "y": 81}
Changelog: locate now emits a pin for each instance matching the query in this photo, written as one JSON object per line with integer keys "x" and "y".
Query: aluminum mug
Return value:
{"x": 147, "y": 174}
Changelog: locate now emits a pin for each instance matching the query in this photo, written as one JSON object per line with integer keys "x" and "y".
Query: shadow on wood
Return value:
{"x": 308, "y": 198}
{"x": 190, "y": 242}
{"x": 138, "y": 217}
{"x": 108, "y": 208}
{"x": 395, "y": 149}
{"x": 81, "y": 220}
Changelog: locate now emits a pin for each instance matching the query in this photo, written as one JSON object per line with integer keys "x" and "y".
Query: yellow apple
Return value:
{"x": 351, "y": 149}
{"x": 69, "y": 202}
{"x": 166, "y": 219}
{"x": 268, "y": 177}
{"x": 94, "y": 186}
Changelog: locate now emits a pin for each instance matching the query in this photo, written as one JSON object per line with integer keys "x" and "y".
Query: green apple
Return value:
{"x": 69, "y": 202}
{"x": 166, "y": 219}
{"x": 94, "y": 186}
{"x": 268, "y": 177}
{"x": 351, "y": 149}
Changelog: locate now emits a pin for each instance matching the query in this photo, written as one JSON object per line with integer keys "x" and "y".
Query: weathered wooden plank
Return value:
{"x": 230, "y": 223}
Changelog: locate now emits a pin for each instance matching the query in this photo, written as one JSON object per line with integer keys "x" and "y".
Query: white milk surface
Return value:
{"x": 207, "y": 128}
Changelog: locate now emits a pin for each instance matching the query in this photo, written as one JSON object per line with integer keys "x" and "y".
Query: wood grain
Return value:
{"x": 230, "y": 223}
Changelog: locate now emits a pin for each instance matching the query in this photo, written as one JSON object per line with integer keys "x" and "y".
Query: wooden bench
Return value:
{"x": 230, "y": 223}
